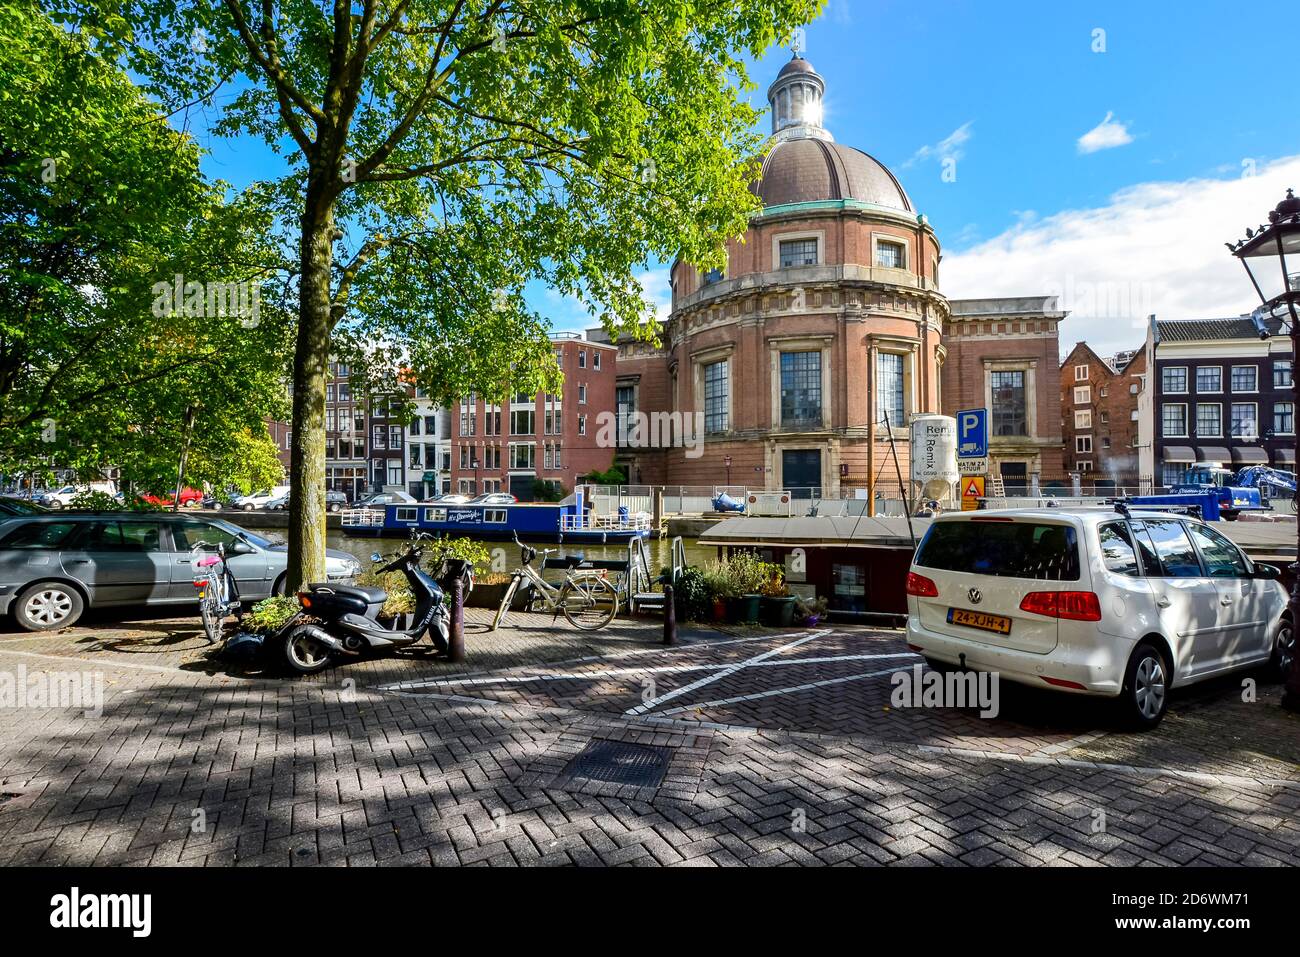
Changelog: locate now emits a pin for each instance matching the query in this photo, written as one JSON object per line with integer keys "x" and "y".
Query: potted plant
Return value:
{"x": 809, "y": 612}
{"x": 748, "y": 575}
{"x": 776, "y": 607}
{"x": 719, "y": 587}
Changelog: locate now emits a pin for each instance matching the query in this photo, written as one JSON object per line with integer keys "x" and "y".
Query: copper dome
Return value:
{"x": 814, "y": 170}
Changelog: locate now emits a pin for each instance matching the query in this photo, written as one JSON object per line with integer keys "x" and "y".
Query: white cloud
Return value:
{"x": 1154, "y": 248}
{"x": 948, "y": 148}
{"x": 1106, "y": 135}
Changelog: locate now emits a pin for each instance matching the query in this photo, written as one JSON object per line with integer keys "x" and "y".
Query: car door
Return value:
{"x": 251, "y": 570}
{"x": 1248, "y": 607}
{"x": 1187, "y": 600}
{"x": 120, "y": 563}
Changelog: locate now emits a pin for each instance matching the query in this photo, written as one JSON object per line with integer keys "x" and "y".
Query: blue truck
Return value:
{"x": 1221, "y": 493}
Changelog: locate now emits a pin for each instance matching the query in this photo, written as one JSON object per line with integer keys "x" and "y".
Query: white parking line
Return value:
{"x": 777, "y": 691}
{"x": 729, "y": 670}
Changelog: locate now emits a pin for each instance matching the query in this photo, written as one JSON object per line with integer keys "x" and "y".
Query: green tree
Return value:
{"x": 100, "y": 200}
{"x": 445, "y": 152}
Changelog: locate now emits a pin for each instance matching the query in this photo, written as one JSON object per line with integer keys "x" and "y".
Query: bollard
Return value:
{"x": 456, "y": 641}
{"x": 670, "y": 617}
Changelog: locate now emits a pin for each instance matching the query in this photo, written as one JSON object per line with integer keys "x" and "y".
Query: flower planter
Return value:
{"x": 777, "y": 611}
{"x": 719, "y": 609}
{"x": 489, "y": 596}
{"x": 743, "y": 610}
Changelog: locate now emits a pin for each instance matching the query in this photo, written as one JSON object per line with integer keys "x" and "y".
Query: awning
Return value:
{"x": 1214, "y": 453}
{"x": 1284, "y": 456}
{"x": 1179, "y": 453}
{"x": 1250, "y": 455}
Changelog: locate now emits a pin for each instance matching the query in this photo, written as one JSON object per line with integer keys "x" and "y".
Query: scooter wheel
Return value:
{"x": 304, "y": 654}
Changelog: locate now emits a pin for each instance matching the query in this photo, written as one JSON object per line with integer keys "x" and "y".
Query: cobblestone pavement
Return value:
{"x": 736, "y": 746}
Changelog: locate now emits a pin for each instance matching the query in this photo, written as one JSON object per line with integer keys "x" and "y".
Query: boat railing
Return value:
{"x": 604, "y": 523}
{"x": 368, "y": 517}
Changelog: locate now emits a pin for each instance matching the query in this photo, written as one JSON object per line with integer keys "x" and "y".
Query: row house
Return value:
{"x": 538, "y": 444}
{"x": 1099, "y": 412}
{"x": 1221, "y": 392}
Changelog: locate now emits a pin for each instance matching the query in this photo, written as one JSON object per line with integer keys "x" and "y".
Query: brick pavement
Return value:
{"x": 320, "y": 772}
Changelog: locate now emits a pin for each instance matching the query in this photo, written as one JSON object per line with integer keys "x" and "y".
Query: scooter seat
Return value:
{"x": 371, "y": 596}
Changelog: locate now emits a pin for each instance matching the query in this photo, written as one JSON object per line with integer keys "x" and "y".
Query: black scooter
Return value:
{"x": 340, "y": 621}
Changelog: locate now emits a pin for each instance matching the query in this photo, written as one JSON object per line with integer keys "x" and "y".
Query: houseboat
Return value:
{"x": 566, "y": 521}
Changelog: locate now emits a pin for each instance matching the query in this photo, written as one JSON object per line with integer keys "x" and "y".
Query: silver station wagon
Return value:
{"x": 55, "y": 566}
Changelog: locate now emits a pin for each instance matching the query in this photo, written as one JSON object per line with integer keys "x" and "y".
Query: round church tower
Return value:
{"x": 822, "y": 334}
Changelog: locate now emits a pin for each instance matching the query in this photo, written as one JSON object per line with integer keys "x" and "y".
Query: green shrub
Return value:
{"x": 270, "y": 614}
{"x": 691, "y": 594}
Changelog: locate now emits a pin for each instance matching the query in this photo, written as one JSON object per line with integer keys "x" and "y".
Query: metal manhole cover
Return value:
{"x": 618, "y": 762}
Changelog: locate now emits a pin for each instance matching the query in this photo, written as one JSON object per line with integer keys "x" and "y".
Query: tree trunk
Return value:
{"x": 310, "y": 365}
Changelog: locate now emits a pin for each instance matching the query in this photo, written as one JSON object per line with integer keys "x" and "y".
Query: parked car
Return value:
{"x": 190, "y": 498}
{"x": 386, "y": 498}
{"x": 450, "y": 498}
{"x": 335, "y": 501}
{"x": 493, "y": 498}
{"x": 279, "y": 503}
{"x": 259, "y": 499}
{"x": 216, "y": 501}
{"x": 20, "y": 506}
{"x": 1094, "y": 601}
{"x": 62, "y": 497}
{"x": 53, "y": 567}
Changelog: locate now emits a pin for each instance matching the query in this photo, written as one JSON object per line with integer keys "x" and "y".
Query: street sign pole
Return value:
{"x": 972, "y": 454}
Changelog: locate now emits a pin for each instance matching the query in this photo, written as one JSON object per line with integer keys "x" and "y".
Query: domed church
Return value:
{"x": 820, "y": 337}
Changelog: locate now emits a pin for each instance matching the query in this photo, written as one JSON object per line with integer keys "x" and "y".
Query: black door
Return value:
{"x": 1015, "y": 478}
{"x": 801, "y": 472}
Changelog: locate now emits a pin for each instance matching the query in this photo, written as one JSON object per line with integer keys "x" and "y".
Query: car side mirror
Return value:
{"x": 240, "y": 547}
{"x": 1268, "y": 572}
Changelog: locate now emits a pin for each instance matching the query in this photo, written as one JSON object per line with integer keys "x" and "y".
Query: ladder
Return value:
{"x": 999, "y": 490}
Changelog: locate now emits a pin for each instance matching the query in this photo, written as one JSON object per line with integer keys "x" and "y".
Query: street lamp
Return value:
{"x": 1278, "y": 287}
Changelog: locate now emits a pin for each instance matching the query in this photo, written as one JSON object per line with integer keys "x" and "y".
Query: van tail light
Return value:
{"x": 1074, "y": 605}
{"x": 920, "y": 586}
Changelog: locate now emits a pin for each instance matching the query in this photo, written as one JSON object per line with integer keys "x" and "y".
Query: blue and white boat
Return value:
{"x": 566, "y": 521}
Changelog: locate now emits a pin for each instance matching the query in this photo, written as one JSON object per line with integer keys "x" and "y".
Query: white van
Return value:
{"x": 1094, "y": 601}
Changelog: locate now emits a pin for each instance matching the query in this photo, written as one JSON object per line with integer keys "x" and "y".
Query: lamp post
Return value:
{"x": 1271, "y": 256}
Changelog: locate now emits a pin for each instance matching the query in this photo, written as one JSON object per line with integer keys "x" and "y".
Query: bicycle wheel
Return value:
{"x": 588, "y": 603}
{"x": 505, "y": 604}
{"x": 210, "y": 606}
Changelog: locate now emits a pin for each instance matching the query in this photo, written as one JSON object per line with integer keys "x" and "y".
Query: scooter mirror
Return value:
{"x": 376, "y": 557}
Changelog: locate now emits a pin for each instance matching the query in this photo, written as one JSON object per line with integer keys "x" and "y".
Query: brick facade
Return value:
{"x": 1005, "y": 352}
{"x": 500, "y": 447}
{"x": 1099, "y": 412}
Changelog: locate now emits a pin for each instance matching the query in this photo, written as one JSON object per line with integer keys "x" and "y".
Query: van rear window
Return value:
{"x": 1033, "y": 550}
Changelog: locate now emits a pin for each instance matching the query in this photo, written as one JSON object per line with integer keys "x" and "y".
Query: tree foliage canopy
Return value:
{"x": 100, "y": 200}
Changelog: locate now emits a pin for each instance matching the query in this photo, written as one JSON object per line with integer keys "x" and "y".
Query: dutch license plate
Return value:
{"x": 978, "y": 619}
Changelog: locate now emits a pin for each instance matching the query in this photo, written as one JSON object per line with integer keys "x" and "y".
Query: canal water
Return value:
{"x": 660, "y": 550}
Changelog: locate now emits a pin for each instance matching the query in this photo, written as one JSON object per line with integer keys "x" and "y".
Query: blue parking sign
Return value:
{"x": 972, "y": 433}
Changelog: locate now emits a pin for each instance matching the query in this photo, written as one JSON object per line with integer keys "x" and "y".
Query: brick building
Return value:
{"x": 1099, "y": 412}
{"x": 1004, "y": 355}
{"x": 1221, "y": 391}
{"x": 555, "y": 439}
{"x": 824, "y": 324}
{"x": 345, "y": 436}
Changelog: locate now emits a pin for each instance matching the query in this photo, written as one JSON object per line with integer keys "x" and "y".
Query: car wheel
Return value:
{"x": 1146, "y": 688}
{"x": 334, "y": 506}
{"x": 248, "y": 507}
{"x": 1283, "y": 658}
{"x": 47, "y": 606}
{"x": 279, "y": 588}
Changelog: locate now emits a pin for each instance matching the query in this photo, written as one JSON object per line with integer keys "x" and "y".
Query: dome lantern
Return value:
{"x": 796, "y": 100}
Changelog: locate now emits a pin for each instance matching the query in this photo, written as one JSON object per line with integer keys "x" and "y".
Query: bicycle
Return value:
{"x": 218, "y": 592}
{"x": 586, "y": 599}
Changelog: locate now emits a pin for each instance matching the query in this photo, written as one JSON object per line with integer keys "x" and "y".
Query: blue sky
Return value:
{"x": 1109, "y": 178}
